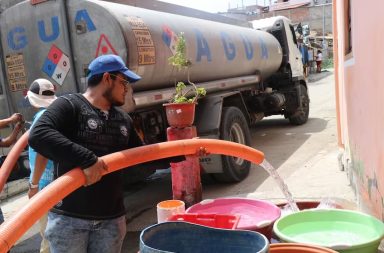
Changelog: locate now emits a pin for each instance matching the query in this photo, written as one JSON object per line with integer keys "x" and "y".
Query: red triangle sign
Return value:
{"x": 104, "y": 46}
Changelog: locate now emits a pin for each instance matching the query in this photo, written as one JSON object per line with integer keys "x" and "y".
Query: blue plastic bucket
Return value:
{"x": 191, "y": 238}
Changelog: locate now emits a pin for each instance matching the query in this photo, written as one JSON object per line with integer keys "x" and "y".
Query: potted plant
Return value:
{"x": 180, "y": 110}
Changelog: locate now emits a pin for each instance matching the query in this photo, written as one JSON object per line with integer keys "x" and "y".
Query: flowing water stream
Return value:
{"x": 282, "y": 185}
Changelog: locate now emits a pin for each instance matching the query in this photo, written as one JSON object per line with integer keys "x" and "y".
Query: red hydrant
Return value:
{"x": 186, "y": 181}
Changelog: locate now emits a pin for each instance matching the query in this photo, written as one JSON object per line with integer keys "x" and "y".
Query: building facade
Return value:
{"x": 359, "y": 89}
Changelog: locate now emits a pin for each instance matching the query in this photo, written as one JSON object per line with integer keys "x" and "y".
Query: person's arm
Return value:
{"x": 11, "y": 139}
{"x": 16, "y": 117}
{"x": 47, "y": 136}
{"x": 40, "y": 164}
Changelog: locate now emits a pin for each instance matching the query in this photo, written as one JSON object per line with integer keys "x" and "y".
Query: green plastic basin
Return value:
{"x": 342, "y": 230}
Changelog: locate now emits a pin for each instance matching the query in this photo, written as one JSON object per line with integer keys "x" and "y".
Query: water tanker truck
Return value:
{"x": 248, "y": 73}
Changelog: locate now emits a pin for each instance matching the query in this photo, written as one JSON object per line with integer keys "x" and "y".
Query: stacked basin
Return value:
{"x": 245, "y": 225}
{"x": 297, "y": 248}
{"x": 191, "y": 238}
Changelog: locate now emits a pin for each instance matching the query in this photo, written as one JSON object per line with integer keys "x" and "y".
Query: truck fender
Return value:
{"x": 209, "y": 110}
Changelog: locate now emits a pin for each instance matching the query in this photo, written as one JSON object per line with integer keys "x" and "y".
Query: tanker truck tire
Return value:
{"x": 234, "y": 128}
{"x": 300, "y": 116}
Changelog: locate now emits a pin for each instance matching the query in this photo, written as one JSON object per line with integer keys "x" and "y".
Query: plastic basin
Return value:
{"x": 303, "y": 205}
{"x": 297, "y": 248}
{"x": 191, "y": 238}
{"x": 341, "y": 230}
{"x": 255, "y": 215}
{"x": 225, "y": 221}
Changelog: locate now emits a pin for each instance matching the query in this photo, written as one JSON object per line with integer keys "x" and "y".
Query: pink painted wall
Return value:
{"x": 360, "y": 99}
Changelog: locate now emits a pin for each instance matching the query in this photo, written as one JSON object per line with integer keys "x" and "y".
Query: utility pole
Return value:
{"x": 324, "y": 43}
{"x": 323, "y": 25}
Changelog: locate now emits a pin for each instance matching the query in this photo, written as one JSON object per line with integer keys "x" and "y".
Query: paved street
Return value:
{"x": 305, "y": 156}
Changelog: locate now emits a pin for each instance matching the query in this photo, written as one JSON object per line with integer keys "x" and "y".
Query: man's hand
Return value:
{"x": 19, "y": 126}
{"x": 202, "y": 151}
{"x": 32, "y": 192}
{"x": 94, "y": 173}
{"x": 16, "y": 117}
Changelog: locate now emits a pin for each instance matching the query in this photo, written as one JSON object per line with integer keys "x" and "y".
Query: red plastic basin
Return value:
{"x": 255, "y": 215}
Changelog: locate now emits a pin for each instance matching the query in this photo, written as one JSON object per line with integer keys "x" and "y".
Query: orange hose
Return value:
{"x": 12, "y": 229}
{"x": 11, "y": 159}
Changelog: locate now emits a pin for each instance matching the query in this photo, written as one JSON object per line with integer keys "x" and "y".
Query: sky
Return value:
{"x": 215, "y": 6}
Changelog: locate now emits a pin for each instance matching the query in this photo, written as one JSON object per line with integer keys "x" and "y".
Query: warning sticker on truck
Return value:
{"x": 136, "y": 23}
{"x": 56, "y": 65}
{"x": 16, "y": 72}
{"x": 143, "y": 38}
{"x": 144, "y": 42}
{"x": 146, "y": 55}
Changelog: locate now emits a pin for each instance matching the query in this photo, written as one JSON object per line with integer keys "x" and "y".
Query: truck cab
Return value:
{"x": 283, "y": 30}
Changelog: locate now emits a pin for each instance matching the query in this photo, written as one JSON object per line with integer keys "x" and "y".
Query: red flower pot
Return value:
{"x": 180, "y": 114}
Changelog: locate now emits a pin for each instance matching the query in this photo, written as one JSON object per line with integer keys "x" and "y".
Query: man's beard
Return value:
{"x": 108, "y": 96}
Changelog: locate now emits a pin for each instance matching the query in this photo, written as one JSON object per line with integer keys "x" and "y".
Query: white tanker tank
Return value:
{"x": 146, "y": 38}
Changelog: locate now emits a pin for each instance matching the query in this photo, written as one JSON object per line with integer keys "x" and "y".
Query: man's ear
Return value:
{"x": 106, "y": 78}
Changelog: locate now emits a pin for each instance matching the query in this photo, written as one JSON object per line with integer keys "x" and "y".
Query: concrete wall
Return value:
{"x": 312, "y": 15}
{"x": 180, "y": 10}
{"x": 359, "y": 94}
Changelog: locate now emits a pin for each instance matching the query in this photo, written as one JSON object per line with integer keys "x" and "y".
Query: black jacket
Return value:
{"x": 73, "y": 133}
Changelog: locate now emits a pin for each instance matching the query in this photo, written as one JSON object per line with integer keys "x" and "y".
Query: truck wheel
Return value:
{"x": 234, "y": 128}
{"x": 300, "y": 116}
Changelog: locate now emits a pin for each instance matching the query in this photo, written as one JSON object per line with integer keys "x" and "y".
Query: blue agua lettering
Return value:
{"x": 264, "y": 49}
{"x": 202, "y": 47}
{"x": 55, "y": 29}
{"x": 83, "y": 15}
{"x": 16, "y": 38}
{"x": 248, "y": 48}
{"x": 229, "y": 47}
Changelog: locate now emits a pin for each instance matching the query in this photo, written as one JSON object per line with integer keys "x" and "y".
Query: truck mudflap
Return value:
{"x": 301, "y": 114}
{"x": 234, "y": 127}
{"x": 218, "y": 119}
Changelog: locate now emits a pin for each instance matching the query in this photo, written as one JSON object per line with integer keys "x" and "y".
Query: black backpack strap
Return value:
{"x": 70, "y": 101}
{"x": 75, "y": 100}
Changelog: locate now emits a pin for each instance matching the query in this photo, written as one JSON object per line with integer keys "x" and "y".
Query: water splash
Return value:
{"x": 327, "y": 203}
{"x": 282, "y": 185}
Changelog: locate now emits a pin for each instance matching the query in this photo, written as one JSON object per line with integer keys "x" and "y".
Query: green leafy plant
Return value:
{"x": 184, "y": 94}
{"x": 179, "y": 59}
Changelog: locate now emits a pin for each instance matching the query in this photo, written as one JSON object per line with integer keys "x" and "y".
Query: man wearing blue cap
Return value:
{"x": 75, "y": 131}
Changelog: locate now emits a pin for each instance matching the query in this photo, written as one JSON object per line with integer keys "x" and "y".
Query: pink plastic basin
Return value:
{"x": 255, "y": 215}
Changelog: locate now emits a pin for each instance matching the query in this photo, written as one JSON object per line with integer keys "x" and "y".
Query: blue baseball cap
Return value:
{"x": 110, "y": 63}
